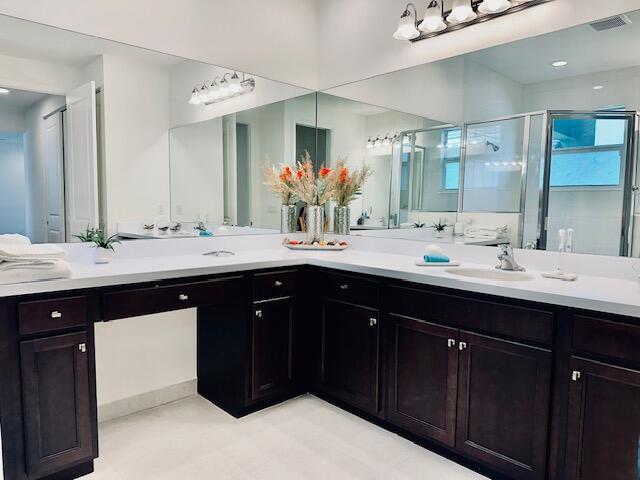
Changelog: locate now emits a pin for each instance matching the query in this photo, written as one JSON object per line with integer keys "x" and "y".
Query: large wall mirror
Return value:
{"x": 506, "y": 144}
{"x": 97, "y": 133}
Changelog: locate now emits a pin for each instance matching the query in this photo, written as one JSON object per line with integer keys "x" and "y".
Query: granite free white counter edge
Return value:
{"x": 588, "y": 292}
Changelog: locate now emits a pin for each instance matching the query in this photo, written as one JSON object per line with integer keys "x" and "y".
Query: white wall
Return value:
{"x": 35, "y": 76}
{"x": 136, "y": 128}
{"x": 273, "y": 39}
{"x": 11, "y": 119}
{"x": 12, "y": 186}
{"x": 197, "y": 177}
{"x": 35, "y": 168}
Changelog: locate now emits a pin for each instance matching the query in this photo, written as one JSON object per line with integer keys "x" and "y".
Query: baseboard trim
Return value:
{"x": 144, "y": 401}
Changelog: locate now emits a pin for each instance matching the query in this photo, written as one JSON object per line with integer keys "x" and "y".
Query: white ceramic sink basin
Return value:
{"x": 491, "y": 274}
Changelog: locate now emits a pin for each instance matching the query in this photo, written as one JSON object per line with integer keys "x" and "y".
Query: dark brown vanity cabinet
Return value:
{"x": 57, "y": 406}
{"x": 604, "y": 422}
{"x": 423, "y": 378}
{"x": 486, "y": 397}
{"x": 272, "y": 348}
{"x": 350, "y": 356}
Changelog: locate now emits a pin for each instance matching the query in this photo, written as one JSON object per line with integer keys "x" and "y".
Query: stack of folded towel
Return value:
{"x": 22, "y": 262}
{"x": 488, "y": 232}
{"x": 434, "y": 254}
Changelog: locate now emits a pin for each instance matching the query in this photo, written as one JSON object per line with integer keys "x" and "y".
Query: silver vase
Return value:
{"x": 315, "y": 224}
{"x": 341, "y": 220}
{"x": 288, "y": 219}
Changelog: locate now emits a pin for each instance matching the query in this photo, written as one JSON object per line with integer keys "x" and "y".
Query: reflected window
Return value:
{"x": 451, "y": 158}
{"x": 587, "y": 152}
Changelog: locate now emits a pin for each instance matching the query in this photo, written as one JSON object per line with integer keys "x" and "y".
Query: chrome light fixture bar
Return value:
{"x": 221, "y": 88}
{"x": 462, "y": 13}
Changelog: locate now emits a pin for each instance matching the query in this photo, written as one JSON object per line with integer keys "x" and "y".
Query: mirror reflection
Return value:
{"x": 520, "y": 141}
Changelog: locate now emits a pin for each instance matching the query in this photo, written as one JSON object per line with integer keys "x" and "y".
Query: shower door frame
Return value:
{"x": 630, "y": 172}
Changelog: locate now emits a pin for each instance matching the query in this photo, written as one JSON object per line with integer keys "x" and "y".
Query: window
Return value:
{"x": 451, "y": 158}
{"x": 587, "y": 152}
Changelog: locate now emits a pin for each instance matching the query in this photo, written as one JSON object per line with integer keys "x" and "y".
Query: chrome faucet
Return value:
{"x": 507, "y": 259}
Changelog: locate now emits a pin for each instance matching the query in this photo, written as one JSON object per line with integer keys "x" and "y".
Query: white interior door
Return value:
{"x": 53, "y": 160}
{"x": 81, "y": 160}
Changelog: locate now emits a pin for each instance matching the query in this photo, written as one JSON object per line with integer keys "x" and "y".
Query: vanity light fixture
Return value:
{"x": 379, "y": 141}
{"x": 598, "y": 87}
{"x": 221, "y": 88}
{"x": 463, "y": 13}
{"x": 408, "y": 24}
{"x": 559, "y": 63}
{"x": 4, "y": 91}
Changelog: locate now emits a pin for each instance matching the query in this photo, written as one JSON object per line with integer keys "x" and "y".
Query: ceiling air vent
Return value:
{"x": 612, "y": 22}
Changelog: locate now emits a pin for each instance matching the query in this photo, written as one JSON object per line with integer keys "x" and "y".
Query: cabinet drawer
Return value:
{"x": 274, "y": 284}
{"x": 472, "y": 314}
{"x": 350, "y": 289}
{"x": 605, "y": 337}
{"x": 163, "y": 298}
{"x": 50, "y": 315}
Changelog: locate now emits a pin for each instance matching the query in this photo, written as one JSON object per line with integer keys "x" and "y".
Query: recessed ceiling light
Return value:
{"x": 559, "y": 63}
{"x": 4, "y": 91}
{"x": 598, "y": 87}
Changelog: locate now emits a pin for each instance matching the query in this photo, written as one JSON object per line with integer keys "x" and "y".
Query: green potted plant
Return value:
{"x": 440, "y": 227}
{"x": 103, "y": 246}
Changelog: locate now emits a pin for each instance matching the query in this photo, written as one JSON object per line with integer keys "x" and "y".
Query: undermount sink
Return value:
{"x": 491, "y": 274}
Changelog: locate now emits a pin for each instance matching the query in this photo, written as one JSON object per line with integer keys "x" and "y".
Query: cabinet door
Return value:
{"x": 271, "y": 348}
{"x": 57, "y": 405}
{"x": 604, "y": 422}
{"x": 423, "y": 378}
{"x": 350, "y": 354}
{"x": 503, "y": 404}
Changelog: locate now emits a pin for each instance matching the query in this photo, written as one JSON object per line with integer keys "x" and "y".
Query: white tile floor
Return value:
{"x": 304, "y": 438}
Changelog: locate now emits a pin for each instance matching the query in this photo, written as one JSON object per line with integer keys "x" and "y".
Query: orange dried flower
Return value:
{"x": 325, "y": 171}
{"x": 286, "y": 173}
{"x": 344, "y": 175}
{"x": 299, "y": 173}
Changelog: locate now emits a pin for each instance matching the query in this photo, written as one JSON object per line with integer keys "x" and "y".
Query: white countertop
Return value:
{"x": 591, "y": 292}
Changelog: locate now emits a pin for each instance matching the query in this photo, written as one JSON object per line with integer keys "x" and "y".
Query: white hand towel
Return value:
{"x": 14, "y": 238}
{"x": 14, "y": 252}
{"x": 56, "y": 270}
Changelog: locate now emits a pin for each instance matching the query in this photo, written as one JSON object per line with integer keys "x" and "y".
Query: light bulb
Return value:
{"x": 406, "y": 27}
{"x": 195, "y": 97}
{"x": 433, "y": 21}
{"x": 386, "y": 141}
{"x": 369, "y": 143}
{"x": 494, "y": 6}
{"x": 4, "y": 91}
{"x": 234, "y": 83}
{"x": 461, "y": 11}
{"x": 223, "y": 88}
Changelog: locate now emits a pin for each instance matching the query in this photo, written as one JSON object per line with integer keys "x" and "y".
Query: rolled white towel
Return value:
{"x": 14, "y": 238}
{"x": 486, "y": 228}
{"x": 35, "y": 272}
{"x": 19, "y": 252}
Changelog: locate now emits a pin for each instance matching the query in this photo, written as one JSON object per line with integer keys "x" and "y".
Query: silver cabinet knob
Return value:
{"x": 259, "y": 313}
{"x": 82, "y": 347}
{"x": 451, "y": 343}
{"x": 344, "y": 286}
{"x": 278, "y": 283}
{"x": 373, "y": 322}
{"x": 182, "y": 296}
{"x": 56, "y": 314}
{"x": 575, "y": 375}
{"x": 462, "y": 345}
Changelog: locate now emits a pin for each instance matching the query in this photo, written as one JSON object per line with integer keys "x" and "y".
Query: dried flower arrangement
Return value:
{"x": 280, "y": 182}
{"x": 314, "y": 190}
{"x": 348, "y": 185}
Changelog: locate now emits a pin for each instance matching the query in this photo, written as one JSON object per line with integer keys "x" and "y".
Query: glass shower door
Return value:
{"x": 588, "y": 181}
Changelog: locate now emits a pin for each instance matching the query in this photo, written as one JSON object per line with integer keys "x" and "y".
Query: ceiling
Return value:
{"x": 19, "y": 99}
{"x": 19, "y": 38}
{"x": 586, "y": 50}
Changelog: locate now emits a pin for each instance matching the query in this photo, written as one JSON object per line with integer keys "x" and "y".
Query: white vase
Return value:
{"x": 102, "y": 255}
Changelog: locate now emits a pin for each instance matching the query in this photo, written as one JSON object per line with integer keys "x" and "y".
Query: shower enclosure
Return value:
{"x": 536, "y": 172}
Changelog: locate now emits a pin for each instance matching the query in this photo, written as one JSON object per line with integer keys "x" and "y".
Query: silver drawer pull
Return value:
{"x": 182, "y": 296}
{"x": 278, "y": 283}
{"x": 575, "y": 375}
{"x": 373, "y": 322}
{"x": 462, "y": 345}
{"x": 56, "y": 314}
{"x": 82, "y": 347}
{"x": 451, "y": 343}
{"x": 344, "y": 286}
{"x": 259, "y": 313}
